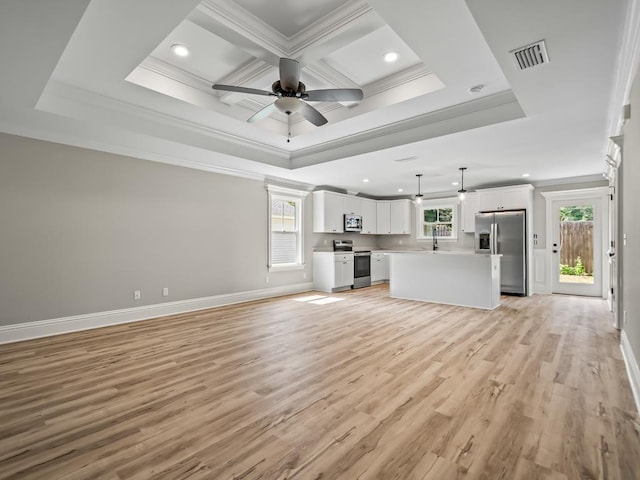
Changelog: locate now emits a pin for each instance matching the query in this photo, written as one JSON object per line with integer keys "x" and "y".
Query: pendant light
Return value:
{"x": 419, "y": 195}
{"x": 462, "y": 191}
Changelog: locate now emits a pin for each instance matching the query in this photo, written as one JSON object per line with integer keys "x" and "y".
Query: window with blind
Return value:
{"x": 285, "y": 228}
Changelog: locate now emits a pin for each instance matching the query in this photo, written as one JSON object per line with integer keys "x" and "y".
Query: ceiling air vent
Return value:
{"x": 530, "y": 55}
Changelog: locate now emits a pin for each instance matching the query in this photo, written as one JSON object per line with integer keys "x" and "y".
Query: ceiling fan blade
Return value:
{"x": 335, "y": 95}
{"x": 233, "y": 88}
{"x": 289, "y": 74}
{"x": 311, "y": 114}
{"x": 262, "y": 113}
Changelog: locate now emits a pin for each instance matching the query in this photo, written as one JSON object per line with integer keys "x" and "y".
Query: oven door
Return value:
{"x": 361, "y": 269}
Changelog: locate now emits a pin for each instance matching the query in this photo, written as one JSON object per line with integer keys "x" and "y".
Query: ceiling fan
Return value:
{"x": 291, "y": 93}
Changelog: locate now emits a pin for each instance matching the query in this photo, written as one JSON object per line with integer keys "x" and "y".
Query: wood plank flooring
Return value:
{"x": 366, "y": 387}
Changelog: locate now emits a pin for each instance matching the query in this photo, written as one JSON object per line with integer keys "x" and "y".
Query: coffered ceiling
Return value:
{"x": 102, "y": 74}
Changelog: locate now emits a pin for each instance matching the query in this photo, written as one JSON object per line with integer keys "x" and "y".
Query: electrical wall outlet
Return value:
{"x": 136, "y": 295}
{"x": 165, "y": 292}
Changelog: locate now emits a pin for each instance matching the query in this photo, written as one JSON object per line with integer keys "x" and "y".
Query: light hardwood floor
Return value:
{"x": 365, "y": 387}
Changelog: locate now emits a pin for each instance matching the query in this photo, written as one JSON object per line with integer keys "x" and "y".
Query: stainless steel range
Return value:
{"x": 361, "y": 263}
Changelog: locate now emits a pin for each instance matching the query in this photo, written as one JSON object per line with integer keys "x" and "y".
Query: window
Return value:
{"x": 285, "y": 228}
{"x": 438, "y": 218}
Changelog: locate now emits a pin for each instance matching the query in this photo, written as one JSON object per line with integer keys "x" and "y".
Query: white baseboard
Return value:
{"x": 75, "y": 323}
{"x": 632, "y": 368}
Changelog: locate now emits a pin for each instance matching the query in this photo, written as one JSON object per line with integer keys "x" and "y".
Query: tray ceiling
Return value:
{"x": 128, "y": 93}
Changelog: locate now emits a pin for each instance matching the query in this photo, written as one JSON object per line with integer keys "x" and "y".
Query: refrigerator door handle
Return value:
{"x": 495, "y": 238}
{"x": 492, "y": 239}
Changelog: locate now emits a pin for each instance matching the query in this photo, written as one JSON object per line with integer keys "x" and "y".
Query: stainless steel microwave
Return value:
{"x": 352, "y": 223}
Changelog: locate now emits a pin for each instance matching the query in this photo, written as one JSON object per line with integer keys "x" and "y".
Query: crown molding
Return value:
{"x": 332, "y": 25}
{"x": 403, "y": 77}
{"x": 243, "y": 22}
{"x": 60, "y": 93}
{"x": 627, "y": 67}
{"x": 569, "y": 180}
{"x": 158, "y": 66}
{"x": 498, "y": 107}
{"x": 325, "y": 73}
{"x": 239, "y": 20}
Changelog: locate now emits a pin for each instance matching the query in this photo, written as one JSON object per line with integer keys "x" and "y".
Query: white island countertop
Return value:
{"x": 455, "y": 278}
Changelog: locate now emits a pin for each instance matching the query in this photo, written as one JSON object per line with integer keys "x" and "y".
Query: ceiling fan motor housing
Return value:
{"x": 280, "y": 92}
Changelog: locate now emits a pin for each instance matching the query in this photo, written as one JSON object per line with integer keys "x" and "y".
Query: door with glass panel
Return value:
{"x": 577, "y": 246}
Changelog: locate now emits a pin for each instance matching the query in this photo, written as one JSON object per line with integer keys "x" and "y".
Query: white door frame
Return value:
{"x": 578, "y": 194}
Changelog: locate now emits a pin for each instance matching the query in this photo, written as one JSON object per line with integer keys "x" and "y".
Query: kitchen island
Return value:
{"x": 455, "y": 278}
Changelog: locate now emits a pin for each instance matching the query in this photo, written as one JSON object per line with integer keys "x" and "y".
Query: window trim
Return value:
{"x": 449, "y": 202}
{"x": 274, "y": 191}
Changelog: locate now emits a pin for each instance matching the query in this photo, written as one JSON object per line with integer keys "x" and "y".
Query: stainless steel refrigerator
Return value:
{"x": 505, "y": 233}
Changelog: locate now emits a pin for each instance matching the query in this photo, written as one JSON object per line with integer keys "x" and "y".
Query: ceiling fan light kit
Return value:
{"x": 292, "y": 95}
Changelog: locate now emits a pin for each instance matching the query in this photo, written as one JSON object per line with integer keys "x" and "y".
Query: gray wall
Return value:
{"x": 80, "y": 230}
{"x": 630, "y": 225}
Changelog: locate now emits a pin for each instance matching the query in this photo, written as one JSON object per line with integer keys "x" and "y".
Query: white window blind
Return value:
{"x": 285, "y": 228}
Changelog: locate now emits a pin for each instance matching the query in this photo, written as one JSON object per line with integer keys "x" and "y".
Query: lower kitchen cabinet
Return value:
{"x": 379, "y": 267}
{"x": 332, "y": 271}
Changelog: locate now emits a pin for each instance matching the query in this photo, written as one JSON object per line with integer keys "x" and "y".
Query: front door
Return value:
{"x": 577, "y": 246}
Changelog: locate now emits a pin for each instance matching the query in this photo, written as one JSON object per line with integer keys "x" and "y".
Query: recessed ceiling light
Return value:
{"x": 455, "y": 184}
{"x": 365, "y": 180}
{"x": 180, "y": 50}
{"x": 400, "y": 190}
{"x": 390, "y": 57}
{"x": 475, "y": 89}
{"x": 525, "y": 175}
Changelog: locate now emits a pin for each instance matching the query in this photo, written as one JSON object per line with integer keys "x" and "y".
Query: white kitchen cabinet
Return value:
{"x": 352, "y": 205}
{"x": 378, "y": 217}
{"x": 369, "y": 212}
{"x": 343, "y": 270}
{"x": 506, "y": 198}
{"x": 468, "y": 210}
{"x": 393, "y": 217}
{"x": 379, "y": 267}
{"x": 383, "y": 217}
{"x": 332, "y": 271}
{"x": 328, "y": 212}
{"x": 400, "y": 211}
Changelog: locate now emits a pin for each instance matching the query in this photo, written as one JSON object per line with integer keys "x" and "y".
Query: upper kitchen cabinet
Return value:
{"x": 378, "y": 217}
{"x": 383, "y": 217}
{"x": 369, "y": 212}
{"x": 468, "y": 210}
{"x": 506, "y": 198}
{"x": 400, "y": 216}
{"x": 352, "y": 205}
{"x": 394, "y": 217}
{"x": 328, "y": 212}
